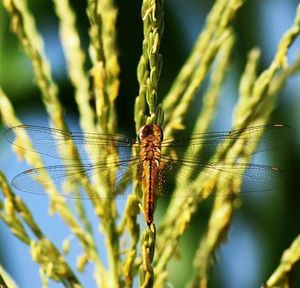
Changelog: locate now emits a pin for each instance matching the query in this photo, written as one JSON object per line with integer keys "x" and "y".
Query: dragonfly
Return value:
{"x": 150, "y": 157}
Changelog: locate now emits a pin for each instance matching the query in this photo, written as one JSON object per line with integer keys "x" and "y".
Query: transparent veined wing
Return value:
{"x": 74, "y": 181}
{"x": 50, "y": 141}
{"x": 184, "y": 178}
{"x": 116, "y": 175}
{"x": 272, "y": 136}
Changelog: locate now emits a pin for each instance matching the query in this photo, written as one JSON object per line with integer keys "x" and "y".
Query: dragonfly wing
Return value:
{"x": 272, "y": 136}
{"x": 77, "y": 181}
{"x": 189, "y": 178}
{"x": 51, "y": 142}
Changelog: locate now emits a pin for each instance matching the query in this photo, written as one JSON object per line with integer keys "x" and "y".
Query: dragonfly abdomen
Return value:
{"x": 150, "y": 177}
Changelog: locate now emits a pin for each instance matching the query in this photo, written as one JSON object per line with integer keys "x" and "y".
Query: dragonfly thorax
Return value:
{"x": 150, "y": 137}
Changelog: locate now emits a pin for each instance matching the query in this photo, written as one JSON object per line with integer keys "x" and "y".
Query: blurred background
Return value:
{"x": 266, "y": 223}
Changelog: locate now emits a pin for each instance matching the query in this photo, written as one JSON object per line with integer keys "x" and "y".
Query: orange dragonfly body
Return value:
{"x": 156, "y": 159}
{"x": 150, "y": 137}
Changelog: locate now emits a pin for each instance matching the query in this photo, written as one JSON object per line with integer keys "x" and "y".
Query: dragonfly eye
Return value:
{"x": 151, "y": 130}
{"x": 142, "y": 132}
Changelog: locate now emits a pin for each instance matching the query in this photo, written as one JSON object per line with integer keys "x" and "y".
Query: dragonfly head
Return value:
{"x": 152, "y": 131}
